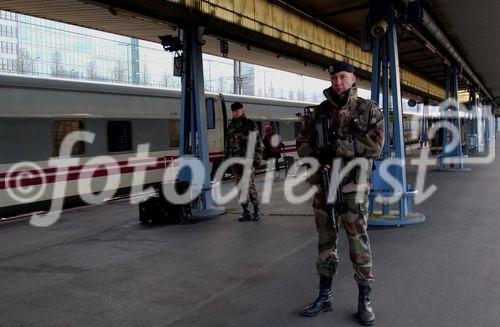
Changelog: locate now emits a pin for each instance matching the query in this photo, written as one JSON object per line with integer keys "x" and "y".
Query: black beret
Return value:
{"x": 340, "y": 66}
{"x": 236, "y": 106}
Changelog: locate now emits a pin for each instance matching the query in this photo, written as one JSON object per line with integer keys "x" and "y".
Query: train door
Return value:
{"x": 211, "y": 123}
{"x": 222, "y": 113}
{"x": 218, "y": 109}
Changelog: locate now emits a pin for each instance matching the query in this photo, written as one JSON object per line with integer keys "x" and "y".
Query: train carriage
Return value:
{"x": 37, "y": 114}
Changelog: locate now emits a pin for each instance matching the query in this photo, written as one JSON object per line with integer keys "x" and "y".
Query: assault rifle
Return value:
{"x": 324, "y": 148}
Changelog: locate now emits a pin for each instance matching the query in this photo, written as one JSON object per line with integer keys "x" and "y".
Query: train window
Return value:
{"x": 298, "y": 128}
{"x": 60, "y": 129}
{"x": 119, "y": 135}
{"x": 210, "y": 105}
{"x": 173, "y": 133}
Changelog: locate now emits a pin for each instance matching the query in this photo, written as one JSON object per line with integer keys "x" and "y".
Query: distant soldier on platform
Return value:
{"x": 237, "y": 143}
{"x": 358, "y": 128}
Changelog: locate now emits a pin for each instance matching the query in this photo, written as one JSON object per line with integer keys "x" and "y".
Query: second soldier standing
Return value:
{"x": 238, "y": 133}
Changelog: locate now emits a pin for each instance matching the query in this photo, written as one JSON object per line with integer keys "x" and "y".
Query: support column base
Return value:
{"x": 393, "y": 220}
{"x": 457, "y": 161}
{"x": 208, "y": 213}
{"x": 450, "y": 169}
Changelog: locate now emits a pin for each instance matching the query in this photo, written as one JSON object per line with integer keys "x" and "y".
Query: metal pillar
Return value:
{"x": 375, "y": 83}
{"x": 388, "y": 148}
{"x": 451, "y": 113}
{"x": 471, "y": 126}
{"x": 193, "y": 127}
{"x": 487, "y": 130}
{"x": 386, "y": 52}
{"x": 424, "y": 133}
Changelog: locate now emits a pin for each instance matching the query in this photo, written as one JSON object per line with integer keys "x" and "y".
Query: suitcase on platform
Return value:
{"x": 157, "y": 209}
{"x": 152, "y": 211}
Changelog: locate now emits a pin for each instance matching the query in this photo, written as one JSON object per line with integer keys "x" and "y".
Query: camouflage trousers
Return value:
{"x": 353, "y": 217}
{"x": 237, "y": 171}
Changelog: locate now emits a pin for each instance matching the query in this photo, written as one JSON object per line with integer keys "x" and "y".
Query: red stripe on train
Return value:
{"x": 213, "y": 155}
{"x": 76, "y": 172}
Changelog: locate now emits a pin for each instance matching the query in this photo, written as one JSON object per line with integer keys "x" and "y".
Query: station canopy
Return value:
{"x": 470, "y": 25}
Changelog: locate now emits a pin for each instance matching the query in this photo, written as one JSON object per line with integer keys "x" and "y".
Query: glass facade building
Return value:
{"x": 39, "y": 47}
{"x": 8, "y": 41}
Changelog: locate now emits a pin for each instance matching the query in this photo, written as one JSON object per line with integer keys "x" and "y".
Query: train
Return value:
{"x": 37, "y": 113}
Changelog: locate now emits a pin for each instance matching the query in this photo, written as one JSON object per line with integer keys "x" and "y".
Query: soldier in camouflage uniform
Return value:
{"x": 359, "y": 130}
{"x": 237, "y": 140}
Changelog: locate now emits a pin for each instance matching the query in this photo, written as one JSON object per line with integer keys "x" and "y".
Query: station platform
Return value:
{"x": 98, "y": 266}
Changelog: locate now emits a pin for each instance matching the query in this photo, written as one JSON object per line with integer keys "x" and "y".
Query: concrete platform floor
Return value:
{"x": 98, "y": 267}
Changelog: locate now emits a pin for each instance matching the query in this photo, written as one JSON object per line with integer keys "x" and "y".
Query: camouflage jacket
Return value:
{"x": 359, "y": 124}
{"x": 237, "y": 139}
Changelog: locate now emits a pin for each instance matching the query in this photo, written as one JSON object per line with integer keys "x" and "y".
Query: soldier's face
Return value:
{"x": 238, "y": 113}
{"x": 342, "y": 81}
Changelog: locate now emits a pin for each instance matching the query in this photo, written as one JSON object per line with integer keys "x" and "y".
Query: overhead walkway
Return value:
{"x": 97, "y": 266}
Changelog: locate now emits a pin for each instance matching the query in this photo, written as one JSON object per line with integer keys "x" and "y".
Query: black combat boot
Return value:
{"x": 365, "y": 312}
{"x": 256, "y": 214}
{"x": 245, "y": 216}
{"x": 323, "y": 302}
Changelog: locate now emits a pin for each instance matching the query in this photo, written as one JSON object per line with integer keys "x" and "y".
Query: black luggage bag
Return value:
{"x": 157, "y": 209}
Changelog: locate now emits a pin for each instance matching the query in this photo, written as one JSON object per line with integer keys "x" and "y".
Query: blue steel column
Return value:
{"x": 444, "y": 133}
{"x": 375, "y": 92}
{"x": 386, "y": 151}
{"x": 474, "y": 105}
{"x": 397, "y": 111}
{"x": 193, "y": 129}
{"x": 375, "y": 83}
{"x": 404, "y": 214}
{"x": 458, "y": 149}
{"x": 425, "y": 117}
{"x": 470, "y": 127}
{"x": 452, "y": 114}
{"x": 448, "y": 82}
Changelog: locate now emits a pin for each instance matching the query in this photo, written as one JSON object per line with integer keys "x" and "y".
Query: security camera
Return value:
{"x": 379, "y": 28}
